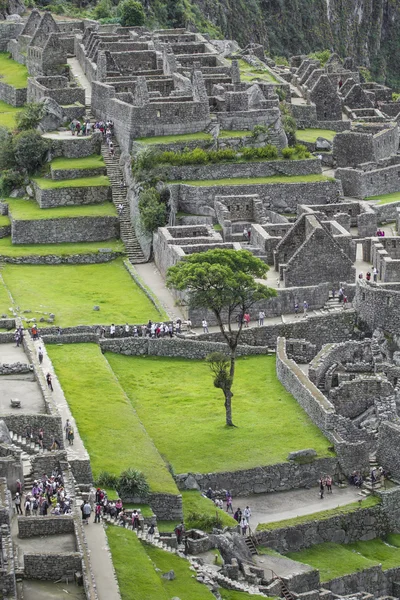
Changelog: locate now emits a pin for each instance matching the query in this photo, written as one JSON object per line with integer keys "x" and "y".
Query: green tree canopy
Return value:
{"x": 225, "y": 283}
{"x": 132, "y": 13}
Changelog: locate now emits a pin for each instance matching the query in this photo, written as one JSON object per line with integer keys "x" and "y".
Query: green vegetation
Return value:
{"x": 233, "y": 595}
{"x": 22, "y": 209}
{"x": 48, "y": 184}
{"x": 311, "y": 135}
{"x": 256, "y": 180}
{"x": 136, "y": 565}
{"x": 201, "y": 513}
{"x": 12, "y": 72}
{"x": 250, "y": 73}
{"x": 71, "y": 292}
{"x": 8, "y": 115}
{"x": 93, "y": 161}
{"x": 153, "y": 209}
{"x": 109, "y": 427}
{"x": 323, "y": 514}
{"x": 30, "y": 116}
{"x": 321, "y": 55}
{"x": 385, "y": 198}
{"x": 7, "y": 248}
{"x": 336, "y": 560}
{"x": 5, "y": 300}
{"x": 131, "y": 13}
{"x": 26, "y": 151}
{"x": 169, "y": 139}
{"x": 4, "y": 220}
{"x": 233, "y": 134}
{"x": 263, "y": 406}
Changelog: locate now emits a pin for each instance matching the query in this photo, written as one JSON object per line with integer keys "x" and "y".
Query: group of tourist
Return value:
{"x": 242, "y": 517}
{"x": 76, "y": 127}
{"x": 325, "y": 483}
{"x": 247, "y": 234}
{"x": 47, "y": 496}
{"x": 151, "y": 329}
{"x": 368, "y": 275}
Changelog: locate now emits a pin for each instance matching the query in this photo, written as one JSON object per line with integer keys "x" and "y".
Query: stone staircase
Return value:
{"x": 26, "y": 445}
{"x": 115, "y": 176}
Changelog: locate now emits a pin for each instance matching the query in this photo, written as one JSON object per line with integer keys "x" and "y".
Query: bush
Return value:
{"x": 132, "y": 13}
{"x": 203, "y": 521}
{"x": 288, "y": 153}
{"x": 30, "y": 116}
{"x": 281, "y": 61}
{"x": 269, "y": 151}
{"x": 103, "y": 10}
{"x": 321, "y": 55}
{"x": 133, "y": 483}
{"x": 9, "y": 180}
{"x": 153, "y": 211}
{"x": 145, "y": 160}
{"x": 30, "y": 150}
{"x": 7, "y": 157}
{"x": 395, "y": 97}
{"x": 106, "y": 479}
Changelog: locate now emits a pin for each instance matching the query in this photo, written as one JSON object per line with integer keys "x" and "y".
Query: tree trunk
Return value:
{"x": 228, "y": 408}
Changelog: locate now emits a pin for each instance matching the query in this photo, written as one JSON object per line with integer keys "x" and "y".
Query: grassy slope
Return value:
{"x": 7, "y": 248}
{"x": 89, "y": 162}
{"x": 71, "y": 292}
{"x": 107, "y": 423}
{"x": 321, "y": 515}
{"x": 257, "y": 180}
{"x": 51, "y": 184}
{"x": 184, "y": 413}
{"x": 386, "y": 198}
{"x": 8, "y": 114}
{"x": 5, "y": 300}
{"x": 189, "y": 137}
{"x": 311, "y": 135}
{"x": 194, "y": 502}
{"x": 136, "y": 565}
{"x": 336, "y": 560}
{"x": 22, "y": 210}
{"x": 248, "y": 73}
{"x": 12, "y": 72}
{"x": 4, "y": 220}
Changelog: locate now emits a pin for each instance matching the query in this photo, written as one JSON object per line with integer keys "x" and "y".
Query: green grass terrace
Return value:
{"x": 12, "y": 72}
{"x": 7, "y": 248}
{"x": 256, "y": 180}
{"x": 385, "y": 198}
{"x": 71, "y": 292}
{"x": 29, "y": 210}
{"x": 50, "y": 184}
{"x": 185, "y": 418}
{"x": 336, "y": 560}
{"x": 311, "y": 135}
{"x": 8, "y": 114}
{"x": 192, "y": 137}
{"x": 88, "y": 162}
{"x": 108, "y": 424}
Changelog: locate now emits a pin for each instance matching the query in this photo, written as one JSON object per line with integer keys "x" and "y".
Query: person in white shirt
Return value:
{"x": 205, "y": 326}
{"x": 247, "y": 513}
{"x": 112, "y": 330}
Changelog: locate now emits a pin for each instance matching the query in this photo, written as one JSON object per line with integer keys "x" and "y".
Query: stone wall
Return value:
{"x": 46, "y": 463}
{"x": 71, "y": 196}
{"x": 59, "y": 174}
{"x": 76, "y": 147}
{"x": 363, "y": 523}
{"x": 81, "y": 470}
{"x": 359, "y": 183}
{"x": 12, "y": 95}
{"x": 54, "y": 87}
{"x": 51, "y": 566}
{"x": 38, "y": 526}
{"x": 377, "y": 306}
{"x": 71, "y": 229}
{"x": 388, "y": 445}
{"x": 260, "y": 480}
{"x": 51, "y": 425}
{"x": 92, "y": 258}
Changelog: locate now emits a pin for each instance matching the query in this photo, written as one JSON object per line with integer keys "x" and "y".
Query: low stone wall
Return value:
{"x": 373, "y": 581}
{"x": 260, "y": 480}
{"x": 71, "y": 196}
{"x": 386, "y": 212}
{"x": 166, "y": 506}
{"x": 93, "y": 258}
{"x": 76, "y": 147}
{"x": 60, "y": 174}
{"x": 46, "y": 463}
{"x": 12, "y": 95}
{"x": 71, "y": 338}
{"x": 51, "y": 566}
{"x": 51, "y": 425}
{"x": 71, "y": 229}
{"x": 15, "y": 368}
{"x": 388, "y": 445}
{"x": 81, "y": 470}
{"x": 5, "y": 231}
{"x": 362, "y": 524}
{"x": 35, "y": 526}
{"x": 174, "y": 347}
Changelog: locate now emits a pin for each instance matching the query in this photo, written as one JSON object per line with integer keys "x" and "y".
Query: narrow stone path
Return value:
{"x": 101, "y": 562}
{"x": 81, "y": 78}
{"x": 152, "y": 277}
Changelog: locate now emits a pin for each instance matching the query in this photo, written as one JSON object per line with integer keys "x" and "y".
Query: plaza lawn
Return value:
{"x": 7, "y": 248}
{"x": 71, "y": 292}
{"x": 12, "y": 72}
{"x": 336, "y": 560}
{"x": 29, "y": 210}
{"x": 385, "y": 198}
{"x": 256, "y": 180}
{"x": 8, "y": 114}
{"x": 184, "y": 413}
{"x": 136, "y": 563}
{"x": 311, "y": 135}
{"x": 54, "y": 184}
{"x": 88, "y": 162}
{"x": 322, "y": 515}
{"x": 107, "y": 423}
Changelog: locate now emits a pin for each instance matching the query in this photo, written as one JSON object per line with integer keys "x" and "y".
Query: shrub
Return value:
{"x": 30, "y": 150}
{"x": 203, "y": 521}
{"x": 132, "y": 13}
{"x": 281, "y": 61}
{"x": 7, "y": 157}
{"x": 133, "y": 483}
{"x": 145, "y": 160}
{"x": 153, "y": 211}
{"x": 249, "y": 153}
{"x": 269, "y": 151}
{"x": 321, "y": 55}
{"x": 288, "y": 153}
{"x": 106, "y": 479}
{"x": 30, "y": 116}
{"x": 103, "y": 10}
{"x": 395, "y": 97}
{"x": 9, "y": 180}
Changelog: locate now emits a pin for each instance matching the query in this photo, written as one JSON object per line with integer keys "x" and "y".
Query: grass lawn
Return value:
{"x": 256, "y": 180}
{"x": 321, "y": 515}
{"x": 12, "y": 72}
{"x": 71, "y": 292}
{"x": 194, "y": 502}
{"x": 88, "y": 162}
{"x": 4, "y": 220}
{"x": 107, "y": 423}
{"x": 136, "y": 563}
{"x": 311, "y": 135}
{"x": 248, "y": 73}
{"x": 7, "y": 248}
{"x": 5, "y": 300}
{"x": 336, "y": 560}
{"x": 233, "y": 595}
{"x": 191, "y": 137}
{"x": 385, "y": 198}
{"x": 186, "y": 418}
{"x": 8, "y": 114}
{"x": 237, "y": 133}
{"x": 51, "y": 184}
{"x": 29, "y": 210}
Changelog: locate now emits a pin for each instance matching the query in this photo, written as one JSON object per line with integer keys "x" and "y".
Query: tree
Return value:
{"x": 30, "y": 116}
{"x": 224, "y": 282}
{"x": 153, "y": 211}
{"x": 132, "y": 13}
{"x": 30, "y": 150}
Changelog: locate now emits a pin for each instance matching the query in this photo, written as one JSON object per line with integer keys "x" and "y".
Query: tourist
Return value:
{"x": 261, "y": 317}
{"x": 34, "y": 332}
{"x": 246, "y": 318}
{"x": 328, "y": 481}
{"x": 28, "y": 506}
{"x": 209, "y": 494}
{"x": 135, "y": 519}
{"x": 18, "y": 486}
{"x": 97, "y": 513}
{"x": 238, "y": 515}
{"x": 296, "y": 308}
{"x": 40, "y": 355}
{"x": 243, "y": 526}
{"x": 249, "y": 234}
{"x": 321, "y": 488}
{"x": 120, "y": 209}
{"x": 375, "y": 274}
{"x": 340, "y": 295}
{"x": 49, "y": 382}
{"x": 86, "y": 511}
{"x": 17, "y": 502}
{"x": 77, "y": 127}
{"x": 189, "y": 325}
{"x": 245, "y": 235}
{"x": 126, "y": 329}
{"x": 204, "y": 324}
{"x": 66, "y": 428}
{"x": 229, "y": 506}
{"x": 239, "y": 319}
{"x": 111, "y": 146}
{"x": 150, "y": 532}
{"x": 112, "y": 330}
{"x": 305, "y": 308}
{"x": 135, "y": 331}
{"x": 368, "y": 276}
{"x": 247, "y": 514}
{"x": 179, "y": 529}
{"x": 41, "y": 437}
{"x": 71, "y": 436}
{"x": 55, "y": 445}
{"x": 72, "y": 127}
{"x": 360, "y": 275}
